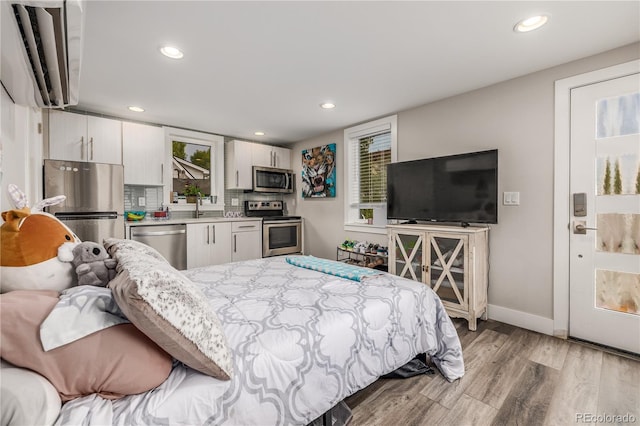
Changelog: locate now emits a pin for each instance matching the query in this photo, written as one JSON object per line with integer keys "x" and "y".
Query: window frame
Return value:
{"x": 351, "y": 135}
{"x": 216, "y": 143}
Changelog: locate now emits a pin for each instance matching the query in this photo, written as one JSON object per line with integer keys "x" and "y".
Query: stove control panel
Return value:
{"x": 262, "y": 205}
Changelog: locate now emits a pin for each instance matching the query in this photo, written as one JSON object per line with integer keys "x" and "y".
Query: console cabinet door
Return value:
{"x": 142, "y": 154}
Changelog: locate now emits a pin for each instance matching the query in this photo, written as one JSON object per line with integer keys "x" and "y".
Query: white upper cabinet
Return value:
{"x": 142, "y": 154}
{"x": 238, "y": 165}
{"x": 271, "y": 156}
{"x": 78, "y": 137}
{"x": 241, "y": 156}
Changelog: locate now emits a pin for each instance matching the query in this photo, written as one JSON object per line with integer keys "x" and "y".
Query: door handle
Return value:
{"x": 580, "y": 227}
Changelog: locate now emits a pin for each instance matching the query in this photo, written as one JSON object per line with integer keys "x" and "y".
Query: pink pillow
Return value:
{"x": 113, "y": 362}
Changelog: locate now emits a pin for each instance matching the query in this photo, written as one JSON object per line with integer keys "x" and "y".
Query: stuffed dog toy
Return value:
{"x": 35, "y": 247}
{"x": 93, "y": 264}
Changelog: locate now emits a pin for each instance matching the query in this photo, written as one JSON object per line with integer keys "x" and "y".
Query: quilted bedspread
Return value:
{"x": 301, "y": 342}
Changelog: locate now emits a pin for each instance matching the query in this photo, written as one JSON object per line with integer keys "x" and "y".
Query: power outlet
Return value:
{"x": 235, "y": 202}
{"x": 142, "y": 201}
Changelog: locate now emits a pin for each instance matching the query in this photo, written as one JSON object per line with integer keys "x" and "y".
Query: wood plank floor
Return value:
{"x": 513, "y": 377}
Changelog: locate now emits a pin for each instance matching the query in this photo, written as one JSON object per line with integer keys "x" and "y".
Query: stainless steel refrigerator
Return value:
{"x": 94, "y": 208}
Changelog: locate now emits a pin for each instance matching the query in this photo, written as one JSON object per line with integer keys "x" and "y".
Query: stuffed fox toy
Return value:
{"x": 35, "y": 247}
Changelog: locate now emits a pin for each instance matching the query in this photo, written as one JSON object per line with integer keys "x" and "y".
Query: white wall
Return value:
{"x": 515, "y": 116}
{"x": 20, "y": 151}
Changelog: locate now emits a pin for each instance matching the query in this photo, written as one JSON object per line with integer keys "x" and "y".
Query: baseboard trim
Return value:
{"x": 521, "y": 319}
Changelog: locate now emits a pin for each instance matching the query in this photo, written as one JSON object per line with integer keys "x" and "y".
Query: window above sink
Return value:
{"x": 196, "y": 159}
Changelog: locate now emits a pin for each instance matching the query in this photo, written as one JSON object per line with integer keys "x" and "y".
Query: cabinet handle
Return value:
{"x": 235, "y": 246}
{"x": 162, "y": 173}
{"x": 273, "y": 158}
{"x": 237, "y": 177}
{"x": 207, "y": 234}
{"x": 91, "y": 143}
{"x": 214, "y": 233}
{"x": 81, "y": 147}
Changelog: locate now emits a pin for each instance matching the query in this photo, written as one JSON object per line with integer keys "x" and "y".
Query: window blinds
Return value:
{"x": 368, "y": 172}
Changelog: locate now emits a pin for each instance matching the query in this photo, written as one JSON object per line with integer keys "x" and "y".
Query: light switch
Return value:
{"x": 234, "y": 201}
{"x": 511, "y": 199}
{"x": 142, "y": 201}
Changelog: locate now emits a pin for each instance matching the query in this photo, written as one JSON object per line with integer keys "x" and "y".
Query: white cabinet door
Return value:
{"x": 105, "y": 140}
{"x": 67, "y": 136}
{"x": 142, "y": 154}
{"x": 220, "y": 243}
{"x": 198, "y": 245}
{"x": 261, "y": 155}
{"x": 78, "y": 137}
{"x": 208, "y": 244}
{"x": 238, "y": 165}
{"x": 247, "y": 240}
{"x": 281, "y": 157}
{"x": 271, "y": 156}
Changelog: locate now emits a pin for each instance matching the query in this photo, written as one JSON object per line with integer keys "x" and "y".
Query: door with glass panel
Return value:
{"x": 605, "y": 223}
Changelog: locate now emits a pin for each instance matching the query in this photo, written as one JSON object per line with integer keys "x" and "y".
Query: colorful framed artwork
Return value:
{"x": 319, "y": 171}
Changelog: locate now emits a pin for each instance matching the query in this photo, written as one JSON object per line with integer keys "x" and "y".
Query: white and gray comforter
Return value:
{"x": 301, "y": 342}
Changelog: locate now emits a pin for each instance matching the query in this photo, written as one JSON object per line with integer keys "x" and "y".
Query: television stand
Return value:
{"x": 452, "y": 260}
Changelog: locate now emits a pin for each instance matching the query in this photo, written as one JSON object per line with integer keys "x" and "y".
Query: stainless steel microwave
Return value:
{"x": 269, "y": 179}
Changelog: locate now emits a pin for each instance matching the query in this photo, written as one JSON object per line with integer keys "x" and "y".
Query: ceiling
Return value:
{"x": 267, "y": 66}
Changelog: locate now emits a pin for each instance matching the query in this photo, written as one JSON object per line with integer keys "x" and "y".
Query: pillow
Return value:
{"x": 26, "y": 398}
{"x": 80, "y": 311}
{"x": 169, "y": 308}
{"x": 113, "y": 362}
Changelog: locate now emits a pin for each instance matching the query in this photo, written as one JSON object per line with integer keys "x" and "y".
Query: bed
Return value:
{"x": 300, "y": 341}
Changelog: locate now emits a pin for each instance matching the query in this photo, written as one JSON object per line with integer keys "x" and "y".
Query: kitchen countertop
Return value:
{"x": 153, "y": 222}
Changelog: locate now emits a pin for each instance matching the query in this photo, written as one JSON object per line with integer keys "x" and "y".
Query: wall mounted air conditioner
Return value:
{"x": 41, "y": 51}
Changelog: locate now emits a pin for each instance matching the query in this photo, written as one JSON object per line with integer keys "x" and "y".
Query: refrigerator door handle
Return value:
{"x": 78, "y": 216}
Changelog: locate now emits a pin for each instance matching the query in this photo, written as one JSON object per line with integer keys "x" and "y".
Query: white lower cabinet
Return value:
{"x": 247, "y": 240}
{"x": 208, "y": 244}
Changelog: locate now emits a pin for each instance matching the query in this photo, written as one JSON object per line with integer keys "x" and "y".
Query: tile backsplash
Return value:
{"x": 152, "y": 196}
{"x": 153, "y": 200}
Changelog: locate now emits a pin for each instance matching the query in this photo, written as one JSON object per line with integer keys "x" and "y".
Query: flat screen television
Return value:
{"x": 457, "y": 188}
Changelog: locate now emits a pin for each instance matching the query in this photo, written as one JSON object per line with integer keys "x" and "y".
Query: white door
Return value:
{"x": 605, "y": 213}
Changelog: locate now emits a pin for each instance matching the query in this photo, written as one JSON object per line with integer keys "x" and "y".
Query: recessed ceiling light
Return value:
{"x": 531, "y": 24}
{"x": 136, "y": 109}
{"x": 259, "y": 133}
{"x": 171, "y": 52}
{"x": 327, "y": 105}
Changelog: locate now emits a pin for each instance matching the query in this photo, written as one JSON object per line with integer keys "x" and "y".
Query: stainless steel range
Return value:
{"x": 280, "y": 234}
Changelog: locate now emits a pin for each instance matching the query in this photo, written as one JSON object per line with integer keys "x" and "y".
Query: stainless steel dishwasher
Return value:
{"x": 169, "y": 240}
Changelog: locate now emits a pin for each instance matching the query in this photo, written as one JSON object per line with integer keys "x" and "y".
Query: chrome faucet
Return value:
{"x": 198, "y": 204}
